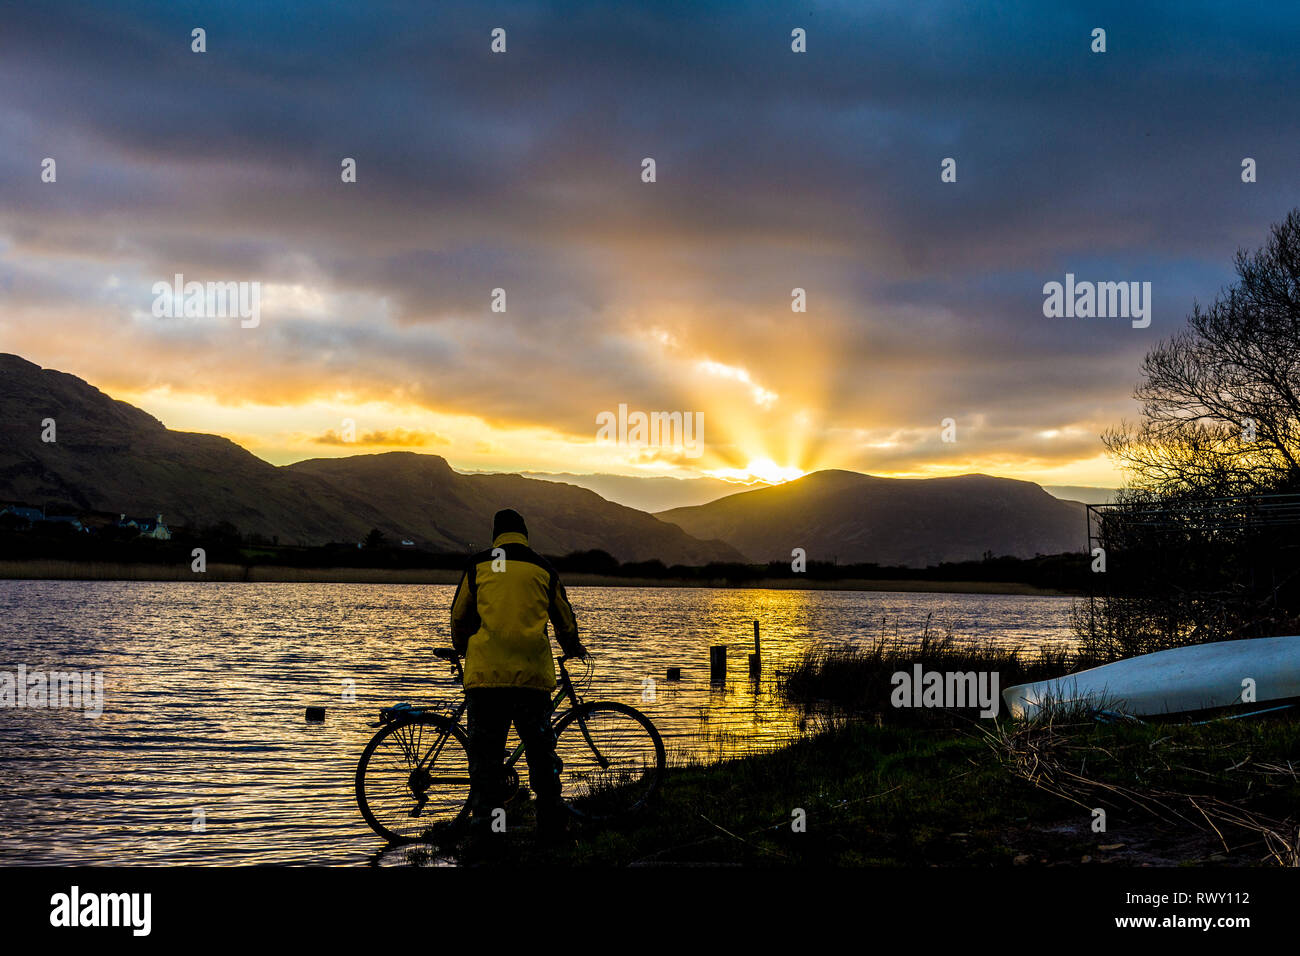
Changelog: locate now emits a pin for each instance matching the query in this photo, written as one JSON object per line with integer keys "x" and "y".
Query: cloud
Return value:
{"x": 394, "y": 438}
{"x": 521, "y": 172}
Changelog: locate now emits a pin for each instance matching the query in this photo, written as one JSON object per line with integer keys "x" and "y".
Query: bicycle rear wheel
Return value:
{"x": 413, "y": 776}
{"x": 612, "y": 760}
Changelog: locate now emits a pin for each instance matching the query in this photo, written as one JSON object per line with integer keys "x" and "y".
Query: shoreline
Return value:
{"x": 48, "y": 570}
{"x": 885, "y": 795}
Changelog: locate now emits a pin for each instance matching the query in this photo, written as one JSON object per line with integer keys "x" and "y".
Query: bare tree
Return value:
{"x": 1220, "y": 420}
{"x": 1221, "y": 398}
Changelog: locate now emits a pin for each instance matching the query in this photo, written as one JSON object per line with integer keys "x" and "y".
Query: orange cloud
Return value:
{"x": 393, "y": 438}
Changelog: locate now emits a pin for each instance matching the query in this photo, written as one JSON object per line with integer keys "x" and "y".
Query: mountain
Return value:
{"x": 852, "y": 518}
{"x": 652, "y": 492}
{"x": 454, "y": 511}
{"x": 1085, "y": 493}
{"x": 111, "y": 456}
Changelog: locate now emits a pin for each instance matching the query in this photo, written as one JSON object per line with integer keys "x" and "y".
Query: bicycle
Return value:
{"x": 609, "y": 756}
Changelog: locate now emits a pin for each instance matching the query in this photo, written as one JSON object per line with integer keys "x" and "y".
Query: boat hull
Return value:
{"x": 1179, "y": 680}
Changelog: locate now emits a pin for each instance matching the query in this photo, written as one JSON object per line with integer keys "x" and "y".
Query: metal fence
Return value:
{"x": 1212, "y": 567}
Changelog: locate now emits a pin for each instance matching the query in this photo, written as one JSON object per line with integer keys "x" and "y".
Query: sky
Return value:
{"x": 523, "y": 171}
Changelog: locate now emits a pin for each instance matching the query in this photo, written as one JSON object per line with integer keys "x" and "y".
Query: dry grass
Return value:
{"x": 1232, "y": 779}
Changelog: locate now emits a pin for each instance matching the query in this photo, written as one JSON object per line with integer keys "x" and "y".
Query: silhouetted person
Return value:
{"x": 498, "y": 624}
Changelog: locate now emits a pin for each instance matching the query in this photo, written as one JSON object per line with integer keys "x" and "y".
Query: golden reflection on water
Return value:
{"x": 202, "y": 754}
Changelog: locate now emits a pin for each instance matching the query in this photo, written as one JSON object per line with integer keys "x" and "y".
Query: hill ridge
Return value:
{"x": 110, "y": 456}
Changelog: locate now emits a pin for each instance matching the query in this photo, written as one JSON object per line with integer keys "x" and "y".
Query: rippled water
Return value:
{"x": 205, "y": 687}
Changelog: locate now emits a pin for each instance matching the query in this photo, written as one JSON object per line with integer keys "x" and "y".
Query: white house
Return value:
{"x": 148, "y": 528}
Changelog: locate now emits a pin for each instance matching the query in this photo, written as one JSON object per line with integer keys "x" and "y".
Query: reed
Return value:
{"x": 859, "y": 679}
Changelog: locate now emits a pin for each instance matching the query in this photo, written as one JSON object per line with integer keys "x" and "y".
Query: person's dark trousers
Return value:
{"x": 490, "y": 712}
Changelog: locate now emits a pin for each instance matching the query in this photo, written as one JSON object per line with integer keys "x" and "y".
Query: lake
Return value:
{"x": 205, "y": 687}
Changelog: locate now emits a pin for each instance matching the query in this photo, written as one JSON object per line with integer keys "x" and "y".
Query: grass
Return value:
{"x": 1235, "y": 779}
{"x": 912, "y": 797}
{"x": 859, "y": 681}
{"x": 869, "y": 796}
{"x": 879, "y": 786}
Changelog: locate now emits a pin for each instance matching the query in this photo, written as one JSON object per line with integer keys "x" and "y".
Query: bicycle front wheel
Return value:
{"x": 412, "y": 777}
{"x": 612, "y": 760}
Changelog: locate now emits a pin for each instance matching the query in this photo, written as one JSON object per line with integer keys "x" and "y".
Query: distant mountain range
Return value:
{"x": 110, "y": 456}
{"x": 651, "y": 492}
{"x": 656, "y": 493}
{"x": 850, "y": 517}
{"x": 1088, "y": 494}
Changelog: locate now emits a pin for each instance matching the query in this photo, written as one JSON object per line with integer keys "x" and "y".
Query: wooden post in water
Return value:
{"x": 718, "y": 664}
{"x": 756, "y": 658}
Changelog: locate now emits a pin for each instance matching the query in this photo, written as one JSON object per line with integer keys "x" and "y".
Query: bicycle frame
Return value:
{"x": 405, "y": 727}
{"x": 564, "y": 690}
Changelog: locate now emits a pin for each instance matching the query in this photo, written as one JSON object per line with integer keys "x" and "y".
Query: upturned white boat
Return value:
{"x": 1180, "y": 680}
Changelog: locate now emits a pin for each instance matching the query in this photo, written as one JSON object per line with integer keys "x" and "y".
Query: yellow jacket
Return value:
{"x": 499, "y": 615}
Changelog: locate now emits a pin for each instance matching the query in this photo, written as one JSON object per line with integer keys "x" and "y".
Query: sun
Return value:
{"x": 761, "y": 469}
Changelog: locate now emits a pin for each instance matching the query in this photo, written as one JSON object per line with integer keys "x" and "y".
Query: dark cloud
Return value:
{"x": 478, "y": 171}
